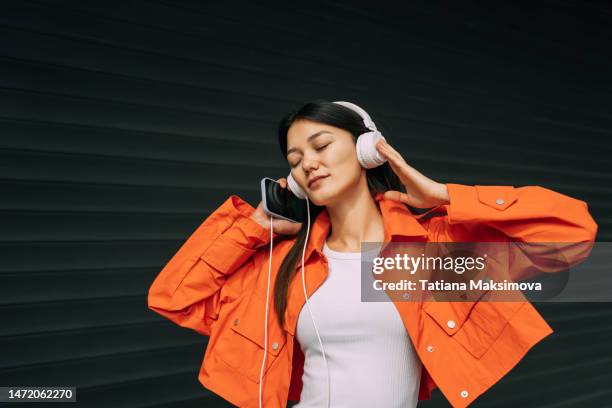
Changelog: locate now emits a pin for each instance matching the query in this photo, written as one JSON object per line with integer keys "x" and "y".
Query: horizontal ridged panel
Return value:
{"x": 124, "y": 124}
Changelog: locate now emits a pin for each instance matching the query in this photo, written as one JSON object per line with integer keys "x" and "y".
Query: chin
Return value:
{"x": 316, "y": 200}
{"x": 322, "y": 198}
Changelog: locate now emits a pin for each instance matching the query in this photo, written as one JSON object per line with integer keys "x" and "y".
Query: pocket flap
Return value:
{"x": 498, "y": 197}
{"x": 449, "y": 315}
{"x": 250, "y": 324}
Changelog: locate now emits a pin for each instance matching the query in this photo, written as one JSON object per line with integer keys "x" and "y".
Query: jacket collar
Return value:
{"x": 397, "y": 221}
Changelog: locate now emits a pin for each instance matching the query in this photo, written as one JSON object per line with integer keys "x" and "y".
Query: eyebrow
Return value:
{"x": 319, "y": 133}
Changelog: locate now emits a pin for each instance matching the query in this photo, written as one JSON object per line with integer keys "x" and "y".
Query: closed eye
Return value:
{"x": 317, "y": 149}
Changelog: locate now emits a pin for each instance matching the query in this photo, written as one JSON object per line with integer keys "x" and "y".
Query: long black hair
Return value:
{"x": 379, "y": 179}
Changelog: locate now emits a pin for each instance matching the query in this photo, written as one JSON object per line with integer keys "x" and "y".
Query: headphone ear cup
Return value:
{"x": 295, "y": 188}
{"x": 367, "y": 153}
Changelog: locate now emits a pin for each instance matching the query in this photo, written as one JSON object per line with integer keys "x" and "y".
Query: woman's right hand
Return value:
{"x": 279, "y": 226}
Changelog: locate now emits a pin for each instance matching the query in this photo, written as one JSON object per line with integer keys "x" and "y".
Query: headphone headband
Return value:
{"x": 367, "y": 121}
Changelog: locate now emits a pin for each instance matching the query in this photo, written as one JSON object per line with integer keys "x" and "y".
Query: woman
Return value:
{"x": 378, "y": 353}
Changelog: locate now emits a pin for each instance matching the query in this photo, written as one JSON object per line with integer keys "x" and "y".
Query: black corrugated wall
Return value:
{"x": 123, "y": 124}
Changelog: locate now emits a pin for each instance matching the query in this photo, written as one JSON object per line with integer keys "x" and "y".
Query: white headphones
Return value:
{"x": 368, "y": 157}
{"x": 367, "y": 154}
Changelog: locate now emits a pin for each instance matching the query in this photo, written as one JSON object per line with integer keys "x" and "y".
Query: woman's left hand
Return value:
{"x": 421, "y": 191}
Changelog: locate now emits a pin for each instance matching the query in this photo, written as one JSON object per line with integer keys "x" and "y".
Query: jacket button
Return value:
{"x": 274, "y": 346}
{"x": 464, "y": 394}
{"x": 236, "y": 322}
{"x": 500, "y": 201}
{"x": 451, "y": 324}
{"x": 430, "y": 348}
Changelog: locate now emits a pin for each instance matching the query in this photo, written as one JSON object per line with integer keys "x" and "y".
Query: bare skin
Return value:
{"x": 423, "y": 192}
{"x": 354, "y": 214}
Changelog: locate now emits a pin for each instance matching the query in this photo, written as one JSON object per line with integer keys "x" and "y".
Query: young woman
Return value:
{"x": 352, "y": 353}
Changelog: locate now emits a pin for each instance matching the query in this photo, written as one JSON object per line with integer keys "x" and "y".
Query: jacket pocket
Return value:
{"x": 483, "y": 323}
{"x": 243, "y": 344}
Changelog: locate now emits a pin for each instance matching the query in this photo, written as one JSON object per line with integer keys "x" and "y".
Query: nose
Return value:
{"x": 309, "y": 164}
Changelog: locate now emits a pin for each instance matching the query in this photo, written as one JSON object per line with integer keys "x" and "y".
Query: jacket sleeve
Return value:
{"x": 187, "y": 289}
{"x": 530, "y": 214}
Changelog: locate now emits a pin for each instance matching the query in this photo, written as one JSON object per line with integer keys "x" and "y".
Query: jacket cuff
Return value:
{"x": 474, "y": 203}
{"x": 246, "y": 232}
{"x": 239, "y": 241}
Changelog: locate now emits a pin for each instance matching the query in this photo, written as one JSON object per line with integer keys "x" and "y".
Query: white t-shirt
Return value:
{"x": 371, "y": 359}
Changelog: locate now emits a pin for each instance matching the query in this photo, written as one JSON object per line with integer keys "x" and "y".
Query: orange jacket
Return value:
{"x": 216, "y": 285}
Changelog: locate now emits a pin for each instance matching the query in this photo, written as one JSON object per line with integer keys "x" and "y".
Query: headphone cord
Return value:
{"x": 307, "y": 305}
{"x": 266, "y": 319}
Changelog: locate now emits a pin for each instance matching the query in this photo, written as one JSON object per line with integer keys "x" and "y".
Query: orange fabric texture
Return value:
{"x": 216, "y": 285}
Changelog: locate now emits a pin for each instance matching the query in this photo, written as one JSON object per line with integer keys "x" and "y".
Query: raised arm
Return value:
{"x": 526, "y": 214}
{"x": 187, "y": 290}
{"x": 529, "y": 214}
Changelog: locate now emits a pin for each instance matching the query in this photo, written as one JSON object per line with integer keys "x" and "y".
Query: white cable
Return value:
{"x": 307, "y": 305}
{"x": 266, "y": 320}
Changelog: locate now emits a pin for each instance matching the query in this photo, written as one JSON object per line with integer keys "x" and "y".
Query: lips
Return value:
{"x": 315, "y": 179}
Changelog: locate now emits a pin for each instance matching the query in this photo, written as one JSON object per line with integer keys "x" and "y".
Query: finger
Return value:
{"x": 287, "y": 227}
{"x": 283, "y": 182}
{"x": 286, "y": 185}
{"x": 380, "y": 146}
{"x": 395, "y": 166}
{"x": 390, "y": 152}
{"x": 296, "y": 227}
{"x": 383, "y": 148}
{"x": 396, "y": 196}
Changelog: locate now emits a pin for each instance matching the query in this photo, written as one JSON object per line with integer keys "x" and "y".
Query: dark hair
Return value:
{"x": 379, "y": 179}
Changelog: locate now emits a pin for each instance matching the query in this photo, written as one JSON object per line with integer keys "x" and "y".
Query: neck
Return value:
{"x": 355, "y": 219}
